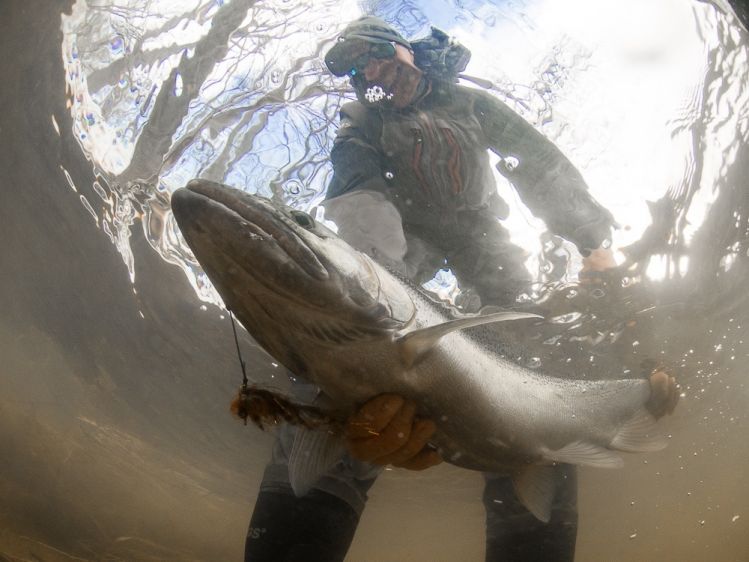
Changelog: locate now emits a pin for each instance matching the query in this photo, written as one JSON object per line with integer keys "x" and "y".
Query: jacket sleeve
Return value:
{"x": 357, "y": 164}
{"x": 547, "y": 182}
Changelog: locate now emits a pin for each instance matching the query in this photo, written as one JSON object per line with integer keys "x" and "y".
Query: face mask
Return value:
{"x": 395, "y": 85}
{"x": 377, "y": 95}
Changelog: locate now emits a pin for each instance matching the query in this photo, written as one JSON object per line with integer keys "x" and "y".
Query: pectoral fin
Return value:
{"x": 313, "y": 453}
{"x": 415, "y": 344}
{"x": 535, "y": 487}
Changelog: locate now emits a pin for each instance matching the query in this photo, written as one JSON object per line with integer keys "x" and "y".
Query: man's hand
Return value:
{"x": 664, "y": 394}
{"x": 385, "y": 430}
{"x": 595, "y": 263}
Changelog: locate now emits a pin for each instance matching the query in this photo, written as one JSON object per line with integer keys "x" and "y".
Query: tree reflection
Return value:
{"x": 236, "y": 92}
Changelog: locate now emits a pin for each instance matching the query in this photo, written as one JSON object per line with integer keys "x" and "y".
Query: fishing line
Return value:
{"x": 244, "y": 389}
{"x": 281, "y": 408}
{"x": 239, "y": 352}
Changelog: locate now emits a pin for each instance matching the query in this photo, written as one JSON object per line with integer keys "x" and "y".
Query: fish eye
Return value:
{"x": 303, "y": 219}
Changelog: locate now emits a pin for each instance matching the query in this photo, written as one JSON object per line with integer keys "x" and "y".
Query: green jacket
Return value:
{"x": 431, "y": 159}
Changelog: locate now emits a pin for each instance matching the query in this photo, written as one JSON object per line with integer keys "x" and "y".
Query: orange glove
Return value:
{"x": 386, "y": 430}
{"x": 595, "y": 265}
{"x": 664, "y": 394}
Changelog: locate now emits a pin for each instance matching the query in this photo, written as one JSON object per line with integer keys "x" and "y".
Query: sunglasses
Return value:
{"x": 351, "y": 65}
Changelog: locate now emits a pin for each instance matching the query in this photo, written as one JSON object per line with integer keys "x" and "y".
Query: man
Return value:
{"x": 414, "y": 189}
{"x": 415, "y": 151}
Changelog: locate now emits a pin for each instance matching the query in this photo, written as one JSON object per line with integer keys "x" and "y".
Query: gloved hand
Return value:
{"x": 664, "y": 394}
{"x": 386, "y": 430}
{"x": 595, "y": 264}
{"x": 369, "y": 222}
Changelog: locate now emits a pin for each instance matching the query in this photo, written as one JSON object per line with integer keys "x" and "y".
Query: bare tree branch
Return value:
{"x": 169, "y": 110}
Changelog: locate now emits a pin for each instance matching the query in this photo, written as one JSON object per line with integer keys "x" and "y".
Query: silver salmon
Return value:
{"x": 336, "y": 318}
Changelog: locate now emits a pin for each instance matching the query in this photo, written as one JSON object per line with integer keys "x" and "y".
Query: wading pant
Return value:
{"x": 320, "y": 526}
{"x": 474, "y": 246}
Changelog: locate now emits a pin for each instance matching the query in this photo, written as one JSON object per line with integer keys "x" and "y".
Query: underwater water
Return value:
{"x": 118, "y": 359}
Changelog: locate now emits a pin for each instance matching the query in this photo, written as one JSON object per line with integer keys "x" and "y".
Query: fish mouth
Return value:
{"x": 263, "y": 256}
{"x": 202, "y": 205}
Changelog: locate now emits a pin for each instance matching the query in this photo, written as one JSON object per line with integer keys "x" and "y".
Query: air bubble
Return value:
{"x": 534, "y": 363}
{"x": 178, "y": 85}
{"x": 510, "y": 163}
{"x": 116, "y": 44}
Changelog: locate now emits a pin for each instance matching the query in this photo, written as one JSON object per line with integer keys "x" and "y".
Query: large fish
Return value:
{"x": 336, "y": 318}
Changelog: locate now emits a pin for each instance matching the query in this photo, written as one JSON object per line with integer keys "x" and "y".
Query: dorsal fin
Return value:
{"x": 415, "y": 344}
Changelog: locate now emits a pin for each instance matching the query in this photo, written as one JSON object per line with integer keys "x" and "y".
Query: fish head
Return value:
{"x": 283, "y": 274}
